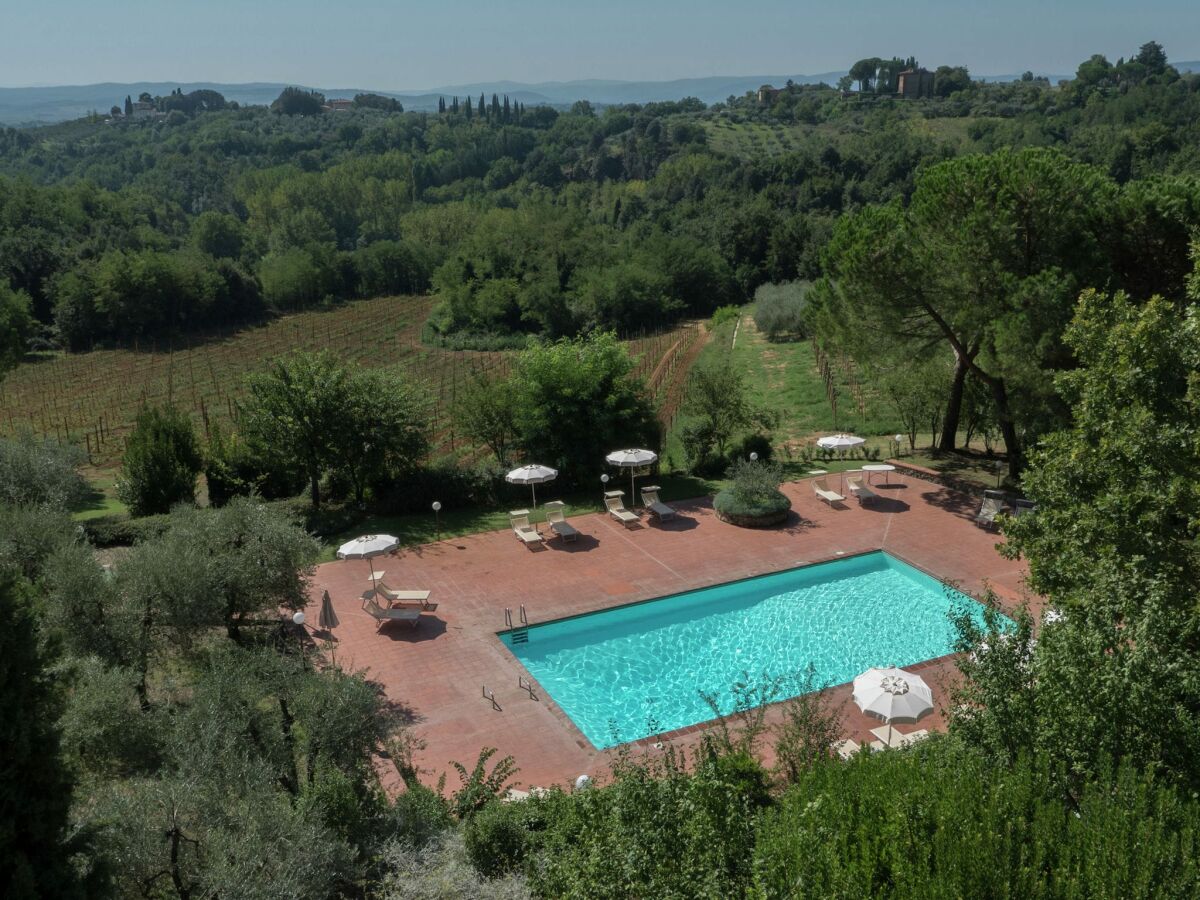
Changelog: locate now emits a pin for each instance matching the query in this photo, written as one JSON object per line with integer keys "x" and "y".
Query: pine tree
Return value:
{"x": 35, "y": 787}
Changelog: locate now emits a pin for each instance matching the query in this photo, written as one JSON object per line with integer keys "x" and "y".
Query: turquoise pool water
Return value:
{"x": 629, "y": 672}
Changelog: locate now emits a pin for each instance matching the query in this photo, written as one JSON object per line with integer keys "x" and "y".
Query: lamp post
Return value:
{"x": 899, "y": 438}
{"x": 298, "y": 621}
{"x": 604, "y": 482}
{"x": 999, "y": 468}
{"x": 753, "y": 457}
{"x": 437, "y": 518}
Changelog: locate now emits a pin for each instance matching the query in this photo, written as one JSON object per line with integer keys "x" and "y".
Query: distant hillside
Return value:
{"x": 46, "y": 105}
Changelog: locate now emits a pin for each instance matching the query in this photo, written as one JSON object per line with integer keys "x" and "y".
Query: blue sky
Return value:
{"x": 401, "y": 44}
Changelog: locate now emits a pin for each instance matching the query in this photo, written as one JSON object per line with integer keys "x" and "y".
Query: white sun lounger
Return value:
{"x": 383, "y": 616}
{"x": 821, "y": 489}
{"x": 656, "y": 507}
{"x": 616, "y": 507}
{"x": 528, "y": 535}
{"x": 558, "y": 521}
{"x": 399, "y": 599}
{"x": 860, "y": 490}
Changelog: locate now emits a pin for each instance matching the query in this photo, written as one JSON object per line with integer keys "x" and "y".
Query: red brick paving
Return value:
{"x": 437, "y": 670}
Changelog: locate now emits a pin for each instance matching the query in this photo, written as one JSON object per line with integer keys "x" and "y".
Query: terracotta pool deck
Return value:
{"x": 436, "y": 671}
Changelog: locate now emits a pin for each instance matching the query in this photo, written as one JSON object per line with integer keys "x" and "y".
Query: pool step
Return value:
{"x": 520, "y": 636}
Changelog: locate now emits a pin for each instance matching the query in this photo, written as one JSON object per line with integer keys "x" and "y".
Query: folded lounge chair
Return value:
{"x": 519, "y": 519}
{"x": 859, "y": 489}
{"x": 558, "y": 521}
{"x": 656, "y": 507}
{"x": 383, "y": 616}
{"x": 612, "y": 500}
{"x": 992, "y": 506}
{"x": 821, "y": 489}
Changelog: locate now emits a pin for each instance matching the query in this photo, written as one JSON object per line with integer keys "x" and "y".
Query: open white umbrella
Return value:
{"x": 367, "y": 546}
{"x": 892, "y": 694}
{"x": 632, "y": 460}
{"x": 532, "y": 475}
{"x": 840, "y": 442}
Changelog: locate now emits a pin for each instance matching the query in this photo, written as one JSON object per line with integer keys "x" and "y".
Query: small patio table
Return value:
{"x": 879, "y": 467}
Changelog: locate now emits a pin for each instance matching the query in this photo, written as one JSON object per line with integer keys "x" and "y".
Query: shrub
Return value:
{"x": 755, "y": 443}
{"x": 779, "y": 310}
{"x": 162, "y": 460}
{"x": 454, "y": 486}
{"x": 499, "y": 837}
{"x": 118, "y": 531}
{"x": 724, "y": 314}
{"x": 418, "y": 815}
{"x": 36, "y": 472}
{"x": 753, "y": 494}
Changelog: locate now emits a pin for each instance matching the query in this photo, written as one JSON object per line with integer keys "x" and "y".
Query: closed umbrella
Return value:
{"x": 892, "y": 694}
{"x": 532, "y": 475}
{"x": 328, "y": 619}
{"x": 368, "y": 546}
{"x": 632, "y": 460}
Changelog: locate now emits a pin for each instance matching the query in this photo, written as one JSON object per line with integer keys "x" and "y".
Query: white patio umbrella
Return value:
{"x": 892, "y": 694}
{"x": 840, "y": 442}
{"x": 367, "y": 546}
{"x": 632, "y": 460}
{"x": 532, "y": 475}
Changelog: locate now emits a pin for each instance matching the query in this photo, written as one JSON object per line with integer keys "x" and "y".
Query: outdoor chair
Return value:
{"x": 656, "y": 507}
{"x": 383, "y": 616}
{"x": 821, "y": 489}
{"x": 616, "y": 508}
{"x": 992, "y": 506}
{"x": 846, "y": 749}
{"x": 860, "y": 490}
{"x": 405, "y": 599}
{"x": 558, "y": 521}
{"x": 526, "y": 533}
{"x": 1023, "y": 507}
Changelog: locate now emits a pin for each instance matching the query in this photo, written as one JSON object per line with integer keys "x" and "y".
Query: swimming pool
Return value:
{"x": 625, "y": 673}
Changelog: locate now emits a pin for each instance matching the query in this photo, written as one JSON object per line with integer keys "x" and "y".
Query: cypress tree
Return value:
{"x": 35, "y": 787}
{"x": 128, "y": 105}
{"x": 507, "y": 111}
{"x": 454, "y": 104}
{"x": 495, "y": 107}
{"x": 482, "y": 108}
{"x": 467, "y": 109}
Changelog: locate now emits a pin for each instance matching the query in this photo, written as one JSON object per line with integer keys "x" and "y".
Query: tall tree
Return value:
{"x": 128, "y": 105}
{"x": 295, "y": 408}
{"x": 35, "y": 787}
{"x": 161, "y": 462}
{"x": 986, "y": 258}
{"x": 1112, "y": 544}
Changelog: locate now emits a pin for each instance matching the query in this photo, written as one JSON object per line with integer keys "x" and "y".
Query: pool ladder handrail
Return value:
{"x": 508, "y": 619}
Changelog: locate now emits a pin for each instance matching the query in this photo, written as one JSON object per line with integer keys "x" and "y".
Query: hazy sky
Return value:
{"x": 402, "y": 44}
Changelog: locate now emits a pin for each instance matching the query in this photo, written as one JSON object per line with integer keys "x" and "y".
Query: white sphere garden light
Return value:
{"x": 298, "y": 618}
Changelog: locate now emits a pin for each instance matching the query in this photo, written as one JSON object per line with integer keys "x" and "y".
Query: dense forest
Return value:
{"x": 534, "y": 222}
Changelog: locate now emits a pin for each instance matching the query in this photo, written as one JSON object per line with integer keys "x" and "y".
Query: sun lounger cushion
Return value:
{"x": 821, "y": 488}
{"x": 619, "y": 512}
{"x": 383, "y": 616}
{"x": 656, "y": 507}
{"x": 860, "y": 490}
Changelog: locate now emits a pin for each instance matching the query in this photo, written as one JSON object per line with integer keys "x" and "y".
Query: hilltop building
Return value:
{"x": 767, "y": 94}
{"x": 341, "y": 105}
{"x": 913, "y": 83}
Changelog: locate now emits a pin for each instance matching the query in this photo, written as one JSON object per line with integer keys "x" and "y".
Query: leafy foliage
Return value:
{"x": 37, "y": 472}
{"x": 162, "y": 460}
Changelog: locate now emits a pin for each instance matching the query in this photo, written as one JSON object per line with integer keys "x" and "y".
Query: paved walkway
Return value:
{"x": 436, "y": 671}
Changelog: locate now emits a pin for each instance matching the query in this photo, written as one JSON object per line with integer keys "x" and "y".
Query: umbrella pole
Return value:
{"x": 632, "y": 495}
{"x": 533, "y": 487}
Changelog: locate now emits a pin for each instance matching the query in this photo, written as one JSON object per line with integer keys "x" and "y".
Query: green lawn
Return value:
{"x": 100, "y": 501}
